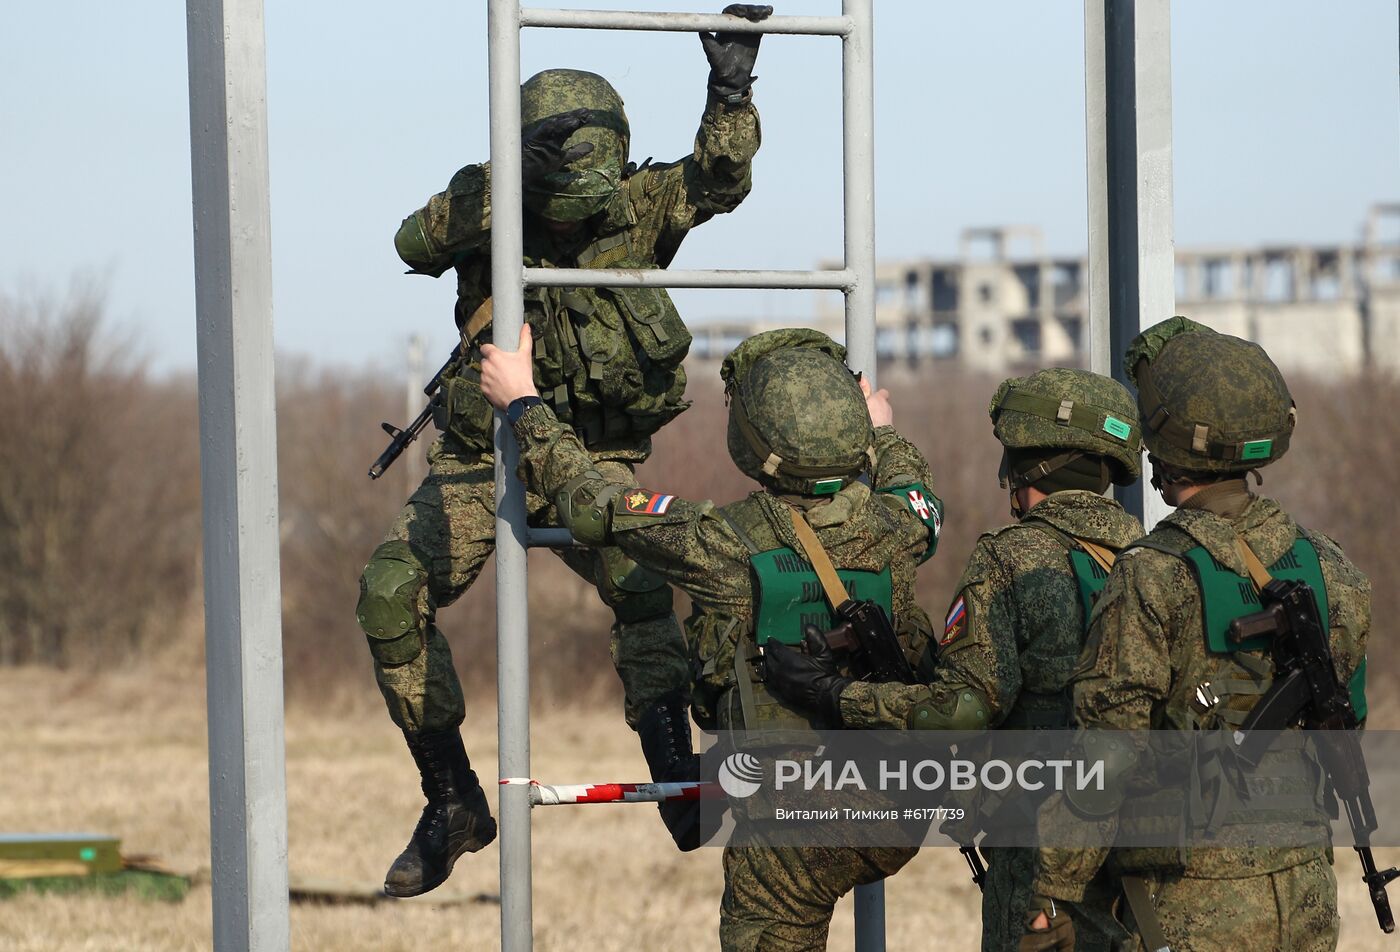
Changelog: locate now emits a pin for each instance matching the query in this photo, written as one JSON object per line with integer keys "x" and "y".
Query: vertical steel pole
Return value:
{"x": 1132, "y": 263}
{"x": 1101, "y": 343}
{"x": 512, "y": 609}
{"x": 238, "y": 473}
{"x": 858, "y": 167}
{"x": 858, "y": 159}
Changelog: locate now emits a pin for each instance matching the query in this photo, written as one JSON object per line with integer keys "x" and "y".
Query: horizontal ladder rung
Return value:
{"x": 842, "y": 280}
{"x": 681, "y": 22}
{"x": 550, "y": 539}
{"x": 550, "y": 795}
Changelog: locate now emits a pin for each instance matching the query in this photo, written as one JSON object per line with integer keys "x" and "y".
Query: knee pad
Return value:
{"x": 392, "y": 605}
{"x": 633, "y": 593}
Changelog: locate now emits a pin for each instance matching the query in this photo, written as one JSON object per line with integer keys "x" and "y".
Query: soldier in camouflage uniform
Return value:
{"x": 609, "y": 361}
{"x": 799, "y": 425}
{"x": 1213, "y": 408}
{"x": 1017, "y": 622}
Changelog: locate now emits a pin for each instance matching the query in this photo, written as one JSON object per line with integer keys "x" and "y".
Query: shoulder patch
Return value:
{"x": 644, "y": 502}
{"x": 926, "y": 506}
{"x": 956, "y": 622}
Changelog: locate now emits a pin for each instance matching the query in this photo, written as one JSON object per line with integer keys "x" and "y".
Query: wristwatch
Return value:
{"x": 518, "y": 406}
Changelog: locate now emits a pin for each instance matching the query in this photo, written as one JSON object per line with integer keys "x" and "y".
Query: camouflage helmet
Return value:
{"x": 586, "y": 186}
{"x": 1209, "y": 402}
{"x": 1067, "y": 415}
{"x": 798, "y": 422}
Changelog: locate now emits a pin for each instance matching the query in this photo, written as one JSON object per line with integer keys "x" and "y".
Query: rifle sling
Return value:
{"x": 821, "y": 562}
{"x": 478, "y": 322}
{"x": 1101, "y": 554}
{"x": 1257, "y": 572}
{"x": 1149, "y": 928}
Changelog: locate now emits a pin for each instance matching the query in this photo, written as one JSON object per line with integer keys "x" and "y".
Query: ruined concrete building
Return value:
{"x": 1002, "y": 305}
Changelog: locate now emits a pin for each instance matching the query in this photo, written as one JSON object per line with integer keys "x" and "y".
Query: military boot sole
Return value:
{"x": 479, "y": 840}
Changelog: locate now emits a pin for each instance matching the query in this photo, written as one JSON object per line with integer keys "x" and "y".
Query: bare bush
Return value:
{"x": 99, "y": 508}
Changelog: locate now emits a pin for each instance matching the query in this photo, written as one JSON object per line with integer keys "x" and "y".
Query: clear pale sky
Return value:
{"x": 1287, "y": 126}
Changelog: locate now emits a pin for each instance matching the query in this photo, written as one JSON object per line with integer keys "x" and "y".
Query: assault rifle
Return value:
{"x": 864, "y": 634}
{"x": 1306, "y": 692}
{"x": 974, "y": 863}
{"x": 405, "y": 436}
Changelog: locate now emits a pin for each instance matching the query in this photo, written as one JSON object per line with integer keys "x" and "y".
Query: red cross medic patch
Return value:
{"x": 644, "y": 502}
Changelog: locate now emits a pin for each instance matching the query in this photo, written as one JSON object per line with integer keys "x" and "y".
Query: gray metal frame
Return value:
{"x": 509, "y": 278}
{"x": 1128, "y": 127}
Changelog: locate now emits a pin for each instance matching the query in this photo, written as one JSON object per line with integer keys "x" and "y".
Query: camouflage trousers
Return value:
{"x": 780, "y": 898}
{"x": 450, "y": 525}
{"x": 1293, "y": 909}
{"x": 1006, "y": 900}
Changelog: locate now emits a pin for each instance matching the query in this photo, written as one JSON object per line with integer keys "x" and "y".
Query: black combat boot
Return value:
{"x": 665, "y": 734}
{"x": 456, "y": 820}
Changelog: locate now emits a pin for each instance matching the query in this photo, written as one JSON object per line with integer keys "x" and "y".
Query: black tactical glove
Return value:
{"x": 543, "y": 151}
{"x": 732, "y": 55}
{"x": 1056, "y": 936}
{"x": 809, "y": 681}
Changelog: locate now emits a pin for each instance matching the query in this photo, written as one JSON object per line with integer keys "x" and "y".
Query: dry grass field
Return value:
{"x": 120, "y": 754}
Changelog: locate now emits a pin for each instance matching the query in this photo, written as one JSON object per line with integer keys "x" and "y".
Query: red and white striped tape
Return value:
{"x": 548, "y": 795}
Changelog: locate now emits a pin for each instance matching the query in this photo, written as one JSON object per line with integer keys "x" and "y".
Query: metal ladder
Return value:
{"x": 509, "y": 279}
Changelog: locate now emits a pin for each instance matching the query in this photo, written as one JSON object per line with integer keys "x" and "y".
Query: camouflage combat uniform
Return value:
{"x": 775, "y": 898}
{"x": 607, "y": 361}
{"x": 1013, "y": 634}
{"x": 1147, "y": 654}
{"x": 1157, "y": 657}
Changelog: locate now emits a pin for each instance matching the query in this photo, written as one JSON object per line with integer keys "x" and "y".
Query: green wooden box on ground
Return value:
{"x": 33, "y": 855}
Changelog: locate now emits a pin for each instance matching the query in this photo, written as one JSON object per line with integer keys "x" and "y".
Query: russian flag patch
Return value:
{"x": 644, "y": 502}
{"x": 956, "y": 621}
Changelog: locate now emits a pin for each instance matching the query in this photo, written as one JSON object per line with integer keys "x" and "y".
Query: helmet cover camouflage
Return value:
{"x": 586, "y": 186}
{"x": 798, "y": 422}
{"x": 1209, "y": 402}
{"x": 1066, "y": 409}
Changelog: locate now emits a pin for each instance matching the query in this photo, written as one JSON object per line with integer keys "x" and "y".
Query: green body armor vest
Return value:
{"x": 788, "y": 595}
{"x": 1226, "y": 595}
{"x": 1091, "y": 578}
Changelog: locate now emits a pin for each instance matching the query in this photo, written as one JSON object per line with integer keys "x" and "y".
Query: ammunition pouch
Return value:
{"x": 1225, "y": 801}
{"x": 755, "y": 718}
{"x": 607, "y": 360}
{"x": 393, "y": 605}
{"x": 655, "y": 324}
{"x": 462, "y": 411}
